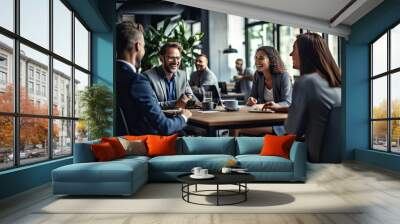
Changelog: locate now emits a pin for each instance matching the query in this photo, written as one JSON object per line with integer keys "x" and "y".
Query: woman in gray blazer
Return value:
{"x": 271, "y": 82}
{"x": 316, "y": 94}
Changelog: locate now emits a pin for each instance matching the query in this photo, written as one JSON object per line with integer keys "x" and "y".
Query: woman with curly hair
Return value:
{"x": 271, "y": 82}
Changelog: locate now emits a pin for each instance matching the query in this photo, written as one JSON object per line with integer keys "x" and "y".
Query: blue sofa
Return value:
{"x": 125, "y": 176}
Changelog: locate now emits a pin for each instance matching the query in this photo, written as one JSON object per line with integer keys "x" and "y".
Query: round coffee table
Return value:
{"x": 238, "y": 179}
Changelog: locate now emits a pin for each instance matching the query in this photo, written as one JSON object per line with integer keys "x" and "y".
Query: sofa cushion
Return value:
{"x": 161, "y": 145}
{"x": 277, "y": 145}
{"x": 103, "y": 152}
{"x": 249, "y": 145}
{"x": 185, "y": 163}
{"x": 257, "y": 163}
{"x": 116, "y": 145}
{"x": 134, "y": 147}
{"x": 112, "y": 171}
{"x": 207, "y": 145}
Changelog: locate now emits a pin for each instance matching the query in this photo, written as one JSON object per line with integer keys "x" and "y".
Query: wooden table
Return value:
{"x": 232, "y": 120}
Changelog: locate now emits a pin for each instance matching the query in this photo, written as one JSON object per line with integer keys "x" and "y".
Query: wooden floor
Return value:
{"x": 377, "y": 188}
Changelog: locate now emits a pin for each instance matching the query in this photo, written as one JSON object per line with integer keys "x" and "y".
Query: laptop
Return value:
{"x": 215, "y": 93}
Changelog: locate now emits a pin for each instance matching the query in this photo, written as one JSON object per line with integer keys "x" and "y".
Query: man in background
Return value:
{"x": 244, "y": 78}
{"x": 202, "y": 76}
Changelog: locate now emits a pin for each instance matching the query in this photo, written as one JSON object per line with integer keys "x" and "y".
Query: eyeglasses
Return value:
{"x": 171, "y": 59}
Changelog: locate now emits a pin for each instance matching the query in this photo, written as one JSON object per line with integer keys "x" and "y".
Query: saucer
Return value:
{"x": 208, "y": 176}
{"x": 232, "y": 109}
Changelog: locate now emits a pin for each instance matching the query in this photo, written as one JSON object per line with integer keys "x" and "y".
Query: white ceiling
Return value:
{"x": 315, "y": 15}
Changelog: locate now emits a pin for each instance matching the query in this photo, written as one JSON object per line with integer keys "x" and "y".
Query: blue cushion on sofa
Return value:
{"x": 207, "y": 145}
{"x": 249, "y": 145}
{"x": 257, "y": 163}
{"x": 83, "y": 153}
{"x": 184, "y": 163}
{"x": 118, "y": 177}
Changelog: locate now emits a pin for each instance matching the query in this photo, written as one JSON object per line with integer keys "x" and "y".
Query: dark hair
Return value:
{"x": 202, "y": 55}
{"x": 164, "y": 48}
{"x": 276, "y": 65}
{"x": 315, "y": 56}
{"x": 239, "y": 59}
{"x": 128, "y": 33}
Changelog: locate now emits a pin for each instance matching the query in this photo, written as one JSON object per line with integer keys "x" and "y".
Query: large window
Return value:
{"x": 385, "y": 95}
{"x": 44, "y": 64}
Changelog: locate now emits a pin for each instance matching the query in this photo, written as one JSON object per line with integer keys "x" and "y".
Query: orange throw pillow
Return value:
{"x": 277, "y": 145}
{"x": 103, "y": 152}
{"x": 116, "y": 145}
{"x": 134, "y": 137}
{"x": 161, "y": 145}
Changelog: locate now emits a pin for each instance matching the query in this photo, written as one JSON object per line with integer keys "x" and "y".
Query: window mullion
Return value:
{"x": 16, "y": 84}
{"x": 389, "y": 115}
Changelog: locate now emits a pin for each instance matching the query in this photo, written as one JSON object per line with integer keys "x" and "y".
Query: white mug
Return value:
{"x": 196, "y": 170}
{"x": 203, "y": 172}
{"x": 226, "y": 170}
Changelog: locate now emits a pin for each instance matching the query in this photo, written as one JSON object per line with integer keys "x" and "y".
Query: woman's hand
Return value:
{"x": 251, "y": 101}
{"x": 272, "y": 106}
{"x": 275, "y": 107}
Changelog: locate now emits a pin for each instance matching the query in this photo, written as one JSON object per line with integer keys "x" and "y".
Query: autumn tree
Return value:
{"x": 33, "y": 131}
{"x": 380, "y": 127}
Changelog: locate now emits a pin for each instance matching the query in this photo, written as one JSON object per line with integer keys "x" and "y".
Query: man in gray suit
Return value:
{"x": 168, "y": 82}
{"x": 202, "y": 76}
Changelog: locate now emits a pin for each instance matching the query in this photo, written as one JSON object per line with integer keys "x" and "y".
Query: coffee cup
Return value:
{"x": 196, "y": 171}
{"x": 231, "y": 104}
{"x": 203, "y": 172}
{"x": 226, "y": 170}
{"x": 207, "y": 105}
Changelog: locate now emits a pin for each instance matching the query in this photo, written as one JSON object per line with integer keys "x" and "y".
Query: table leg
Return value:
{"x": 217, "y": 194}
{"x": 211, "y": 132}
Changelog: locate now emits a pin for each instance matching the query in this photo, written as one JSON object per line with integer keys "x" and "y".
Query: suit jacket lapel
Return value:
{"x": 177, "y": 87}
{"x": 163, "y": 87}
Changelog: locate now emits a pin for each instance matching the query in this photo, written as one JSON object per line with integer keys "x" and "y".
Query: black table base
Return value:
{"x": 241, "y": 191}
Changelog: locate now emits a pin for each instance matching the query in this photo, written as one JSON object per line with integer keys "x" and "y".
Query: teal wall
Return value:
{"x": 356, "y": 88}
{"x": 99, "y": 16}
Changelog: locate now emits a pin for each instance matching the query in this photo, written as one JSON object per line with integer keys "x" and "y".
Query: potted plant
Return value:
{"x": 155, "y": 38}
{"x": 96, "y": 102}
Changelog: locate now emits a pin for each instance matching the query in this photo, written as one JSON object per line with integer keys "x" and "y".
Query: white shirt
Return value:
{"x": 134, "y": 70}
{"x": 268, "y": 94}
{"x": 129, "y": 64}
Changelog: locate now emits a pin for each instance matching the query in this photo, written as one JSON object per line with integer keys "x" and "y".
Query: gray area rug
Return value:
{"x": 166, "y": 198}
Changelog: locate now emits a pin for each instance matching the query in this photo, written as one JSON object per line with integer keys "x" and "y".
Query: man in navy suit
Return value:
{"x": 138, "y": 111}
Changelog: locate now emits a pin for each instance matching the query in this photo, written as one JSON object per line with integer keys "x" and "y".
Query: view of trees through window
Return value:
{"x": 40, "y": 85}
{"x": 385, "y": 95}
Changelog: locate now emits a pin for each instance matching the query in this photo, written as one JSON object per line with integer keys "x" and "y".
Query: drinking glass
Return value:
{"x": 207, "y": 96}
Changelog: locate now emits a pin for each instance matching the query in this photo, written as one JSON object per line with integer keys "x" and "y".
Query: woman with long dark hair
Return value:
{"x": 315, "y": 93}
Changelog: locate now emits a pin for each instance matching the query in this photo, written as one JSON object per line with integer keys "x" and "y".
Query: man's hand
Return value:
{"x": 237, "y": 78}
{"x": 186, "y": 113}
{"x": 251, "y": 101}
{"x": 182, "y": 101}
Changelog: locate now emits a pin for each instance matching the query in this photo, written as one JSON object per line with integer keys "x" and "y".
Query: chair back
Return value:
{"x": 331, "y": 151}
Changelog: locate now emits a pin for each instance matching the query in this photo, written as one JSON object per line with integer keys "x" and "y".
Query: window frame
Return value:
{"x": 15, "y": 68}
{"x": 388, "y": 74}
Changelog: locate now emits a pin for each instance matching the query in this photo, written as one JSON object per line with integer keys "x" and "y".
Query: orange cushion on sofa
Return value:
{"x": 277, "y": 145}
{"x": 136, "y": 137}
{"x": 103, "y": 152}
{"x": 116, "y": 145}
{"x": 161, "y": 145}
